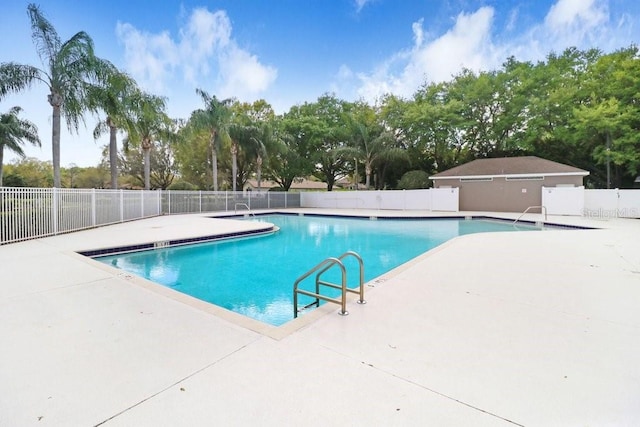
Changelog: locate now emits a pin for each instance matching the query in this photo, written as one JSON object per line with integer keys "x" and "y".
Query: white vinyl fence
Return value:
{"x": 432, "y": 199}
{"x": 563, "y": 200}
{"x": 604, "y": 204}
{"x": 596, "y": 204}
{"x": 27, "y": 213}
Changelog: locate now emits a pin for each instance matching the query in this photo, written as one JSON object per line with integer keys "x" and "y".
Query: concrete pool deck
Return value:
{"x": 488, "y": 329}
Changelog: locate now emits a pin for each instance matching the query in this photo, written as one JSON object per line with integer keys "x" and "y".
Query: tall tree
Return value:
{"x": 14, "y": 131}
{"x": 151, "y": 125}
{"x": 260, "y": 116}
{"x": 369, "y": 141}
{"x": 193, "y": 155}
{"x": 215, "y": 119}
{"x": 555, "y": 89}
{"x": 326, "y": 130}
{"x": 260, "y": 149}
{"x": 290, "y": 149}
{"x": 116, "y": 100}
{"x": 71, "y": 68}
{"x": 434, "y": 125}
{"x": 243, "y": 137}
{"x": 607, "y": 122}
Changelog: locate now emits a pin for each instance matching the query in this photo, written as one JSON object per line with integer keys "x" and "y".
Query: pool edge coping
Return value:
{"x": 301, "y": 322}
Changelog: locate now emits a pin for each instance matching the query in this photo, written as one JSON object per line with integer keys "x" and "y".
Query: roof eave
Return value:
{"x": 514, "y": 175}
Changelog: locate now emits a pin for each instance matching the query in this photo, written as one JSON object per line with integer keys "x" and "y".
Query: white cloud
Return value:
{"x": 243, "y": 75}
{"x": 513, "y": 19}
{"x": 566, "y": 15}
{"x": 473, "y": 42}
{"x": 204, "y": 47}
{"x": 344, "y": 72}
{"x": 571, "y": 22}
{"x": 418, "y": 33}
{"x": 360, "y": 4}
{"x": 467, "y": 45}
{"x": 149, "y": 57}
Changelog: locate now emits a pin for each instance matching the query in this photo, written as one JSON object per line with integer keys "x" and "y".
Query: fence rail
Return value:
{"x": 28, "y": 213}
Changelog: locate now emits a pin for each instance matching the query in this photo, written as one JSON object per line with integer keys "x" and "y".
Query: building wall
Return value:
{"x": 432, "y": 199}
{"x": 502, "y": 195}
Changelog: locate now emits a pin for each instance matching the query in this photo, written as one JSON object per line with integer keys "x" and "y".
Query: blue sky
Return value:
{"x": 292, "y": 51}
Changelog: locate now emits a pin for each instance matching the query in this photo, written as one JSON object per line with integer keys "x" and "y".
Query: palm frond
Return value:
{"x": 13, "y": 131}
{"x": 16, "y": 77}
{"x": 101, "y": 128}
{"x": 44, "y": 35}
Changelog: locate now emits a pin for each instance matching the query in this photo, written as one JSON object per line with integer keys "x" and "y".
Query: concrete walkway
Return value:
{"x": 489, "y": 329}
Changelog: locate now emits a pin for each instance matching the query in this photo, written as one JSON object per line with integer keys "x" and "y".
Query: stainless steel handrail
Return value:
{"x": 542, "y": 208}
{"x": 342, "y": 301}
{"x": 360, "y": 290}
{"x": 235, "y": 208}
{"x": 321, "y": 268}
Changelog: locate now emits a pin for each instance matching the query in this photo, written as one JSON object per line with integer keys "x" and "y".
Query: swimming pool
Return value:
{"x": 254, "y": 276}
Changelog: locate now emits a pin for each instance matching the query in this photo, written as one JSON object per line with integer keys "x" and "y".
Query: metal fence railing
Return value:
{"x": 27, "y": 213}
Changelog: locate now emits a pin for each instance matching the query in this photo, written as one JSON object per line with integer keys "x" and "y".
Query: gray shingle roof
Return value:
{"x": 525, "y": 165}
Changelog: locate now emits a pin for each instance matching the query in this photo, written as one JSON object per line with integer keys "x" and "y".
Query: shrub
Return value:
{"x": 183, "y": 185}
{"x": 413, "y": 180}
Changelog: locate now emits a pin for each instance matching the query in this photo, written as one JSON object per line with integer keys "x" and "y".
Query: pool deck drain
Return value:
{"x": 488, "y": 329}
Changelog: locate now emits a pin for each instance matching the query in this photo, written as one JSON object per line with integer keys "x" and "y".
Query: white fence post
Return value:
{"x": 54, "y": 205}
{"x": 93, "y": 207}
{"x": 121, "y": 205}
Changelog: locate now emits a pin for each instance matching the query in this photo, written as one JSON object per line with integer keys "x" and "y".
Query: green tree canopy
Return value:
{"x": 14, "y": 131}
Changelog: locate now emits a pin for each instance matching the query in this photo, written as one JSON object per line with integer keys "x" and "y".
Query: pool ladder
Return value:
{"x": 235, "y": 208}
{"x": 321, "y": 268}
{"x": 543, "y": 210}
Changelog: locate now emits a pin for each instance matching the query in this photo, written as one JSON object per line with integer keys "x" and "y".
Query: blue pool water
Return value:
{"x": 254, "y": 276}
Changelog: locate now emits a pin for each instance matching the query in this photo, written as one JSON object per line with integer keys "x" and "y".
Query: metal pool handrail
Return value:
{"x": 360, "y": 290}
{"x": 321, "y": 268}
{"x": 235, "y": 208}
{"x": 542, "y": 208}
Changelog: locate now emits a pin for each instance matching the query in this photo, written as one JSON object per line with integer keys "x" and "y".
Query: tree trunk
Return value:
{"x": 368, "y": 172}
{"x": 330, "y": 182}
{"x": 214, "y": 162}
{"x": 259, "y": 171}
{"x": 1, "y": 162}
{"x": 113, "y": 154}
{"x": 55, "y": 100}
{"x": 234, "y": 164}
{"x": 146, "y": 149}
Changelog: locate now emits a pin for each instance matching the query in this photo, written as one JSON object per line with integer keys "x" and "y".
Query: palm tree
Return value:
{"x": 151, "y": 123}
{"x": 258, "y": 149}
{"x": 370, "y": 145}
{"x": 215, "y": 119}
{"x": 13, "y": 131}
{"x": 115, "y": 99}
{"x": 71, "y": 67}
{"x": 243, "y": 137}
